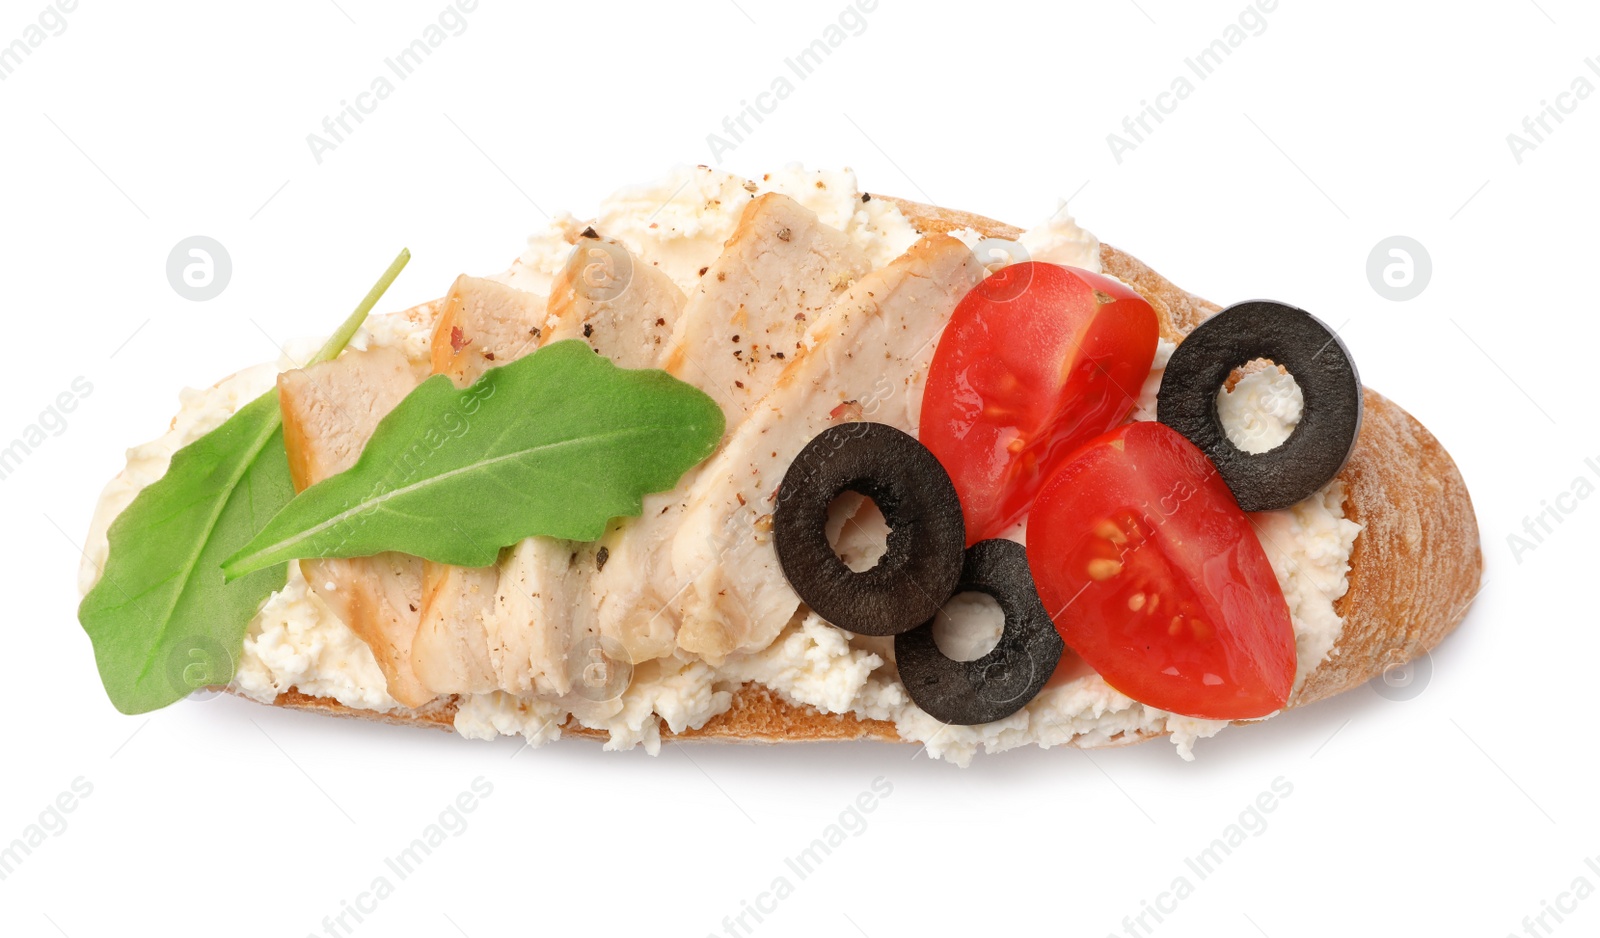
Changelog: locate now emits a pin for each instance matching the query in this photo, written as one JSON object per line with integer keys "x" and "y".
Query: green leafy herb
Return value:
{"x": 557, "y": 443}
{"x": 162, "y": 619}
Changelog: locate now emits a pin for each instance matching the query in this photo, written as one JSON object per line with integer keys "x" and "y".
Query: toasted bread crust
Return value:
{"x": 1417, "y": 564}
{"x": 1414, "y": 570}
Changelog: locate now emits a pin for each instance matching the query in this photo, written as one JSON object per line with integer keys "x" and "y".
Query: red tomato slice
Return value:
{"x": 1037, "y": 360}
{"x": 1154, "y": 576}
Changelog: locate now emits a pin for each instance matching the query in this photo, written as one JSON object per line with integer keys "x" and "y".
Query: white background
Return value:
{"x": 1457, "y": 812}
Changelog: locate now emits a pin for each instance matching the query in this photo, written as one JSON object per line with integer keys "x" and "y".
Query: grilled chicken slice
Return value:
{"x": 451, "y": 651}
{"x": 331, "y": 409}
{"x": 624, "y": 310}
{"x": 742, "y": 327}
{"x": 536, "y": 614}
{"x": 744, "y": 322}
{"x": 329, "y": 413}
{"x": 868, "y": 357}
{"x": 510, "y": 626}
{"x": 484, "y": 324}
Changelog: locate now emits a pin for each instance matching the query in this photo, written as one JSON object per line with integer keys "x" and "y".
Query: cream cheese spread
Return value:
{"x": 1260, "y": 411}
{"x": 679, "y": 225}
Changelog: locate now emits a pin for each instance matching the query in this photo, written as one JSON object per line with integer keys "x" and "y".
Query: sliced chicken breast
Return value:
{"x": 331, "y": 409}
{"x": 867, "y": 359}
{"x": 451, "y": 650}
{"x": 741, "y": 329}
{"x": 510, "y": 626}
{"x": 743, "y": 324}
{"x": 625, "y": 310}
{"x": 539, "y": 614}
{"x": 329, "y": 413}
{"x": 484, "y": 324}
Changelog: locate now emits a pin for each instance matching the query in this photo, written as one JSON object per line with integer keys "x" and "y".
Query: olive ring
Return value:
{"x": 1001, "y": 682}
{"x": 922, "y": 563}
{"x": 1312, "y": 353}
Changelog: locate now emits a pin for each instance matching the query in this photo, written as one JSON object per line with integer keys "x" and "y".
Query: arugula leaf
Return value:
{"x": 162, "y": 619}
{"x": 557, "y": 443}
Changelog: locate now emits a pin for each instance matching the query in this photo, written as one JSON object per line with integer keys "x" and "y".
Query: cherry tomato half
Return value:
{"x": 1037, "y": 360}
{"x": 1155, "y": 577}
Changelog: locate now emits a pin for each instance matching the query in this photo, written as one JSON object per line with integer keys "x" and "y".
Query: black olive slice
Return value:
{"x": 1312, "y": 353}
{"x": 1003, "y": 681}
{"x": 926, "y": 532}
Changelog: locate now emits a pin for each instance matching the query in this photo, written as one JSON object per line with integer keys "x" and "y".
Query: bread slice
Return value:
{"x": 1414, "y": 570}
